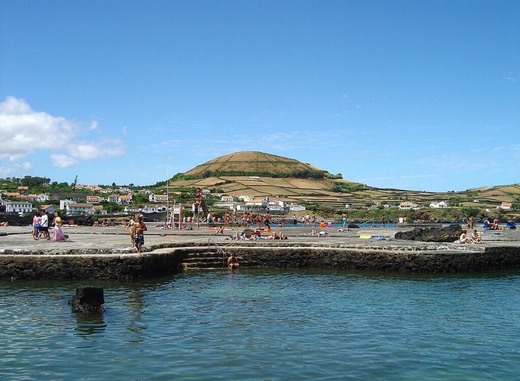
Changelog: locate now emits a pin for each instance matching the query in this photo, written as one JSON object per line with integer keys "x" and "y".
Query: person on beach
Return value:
{"x": 469, "y": 222}
{"x": 139, "y": 229}
{"x": 464, "y": 237}
{"x": 344, "y": 221}
{"x": 57, "y": 231}
{"x": 232, "y": 262}
{"x": 131, "y": 224}
{"x": 44, "y": 226}
{"x": 36, "y": 223}
{"x": 476, "y": 237}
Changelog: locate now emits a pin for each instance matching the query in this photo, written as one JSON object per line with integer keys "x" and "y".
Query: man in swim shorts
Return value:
{"x": 139, "y": 229}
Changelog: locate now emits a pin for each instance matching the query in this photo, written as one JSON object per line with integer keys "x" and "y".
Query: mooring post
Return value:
{"x": 88, "y": 300}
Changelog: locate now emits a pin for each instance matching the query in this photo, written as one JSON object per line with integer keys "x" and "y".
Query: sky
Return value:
{"x": 416, "y": 95}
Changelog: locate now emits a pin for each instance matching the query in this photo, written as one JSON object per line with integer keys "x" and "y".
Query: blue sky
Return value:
{"x": 419, "y": 95}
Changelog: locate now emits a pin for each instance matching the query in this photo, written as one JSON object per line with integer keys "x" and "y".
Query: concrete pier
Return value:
{"x": 106, "y": 252}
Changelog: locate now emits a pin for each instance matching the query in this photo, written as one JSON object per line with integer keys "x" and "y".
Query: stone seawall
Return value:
{"x": 88, "y": 266}
{"x": 497, "y": 258}
{"x": 169, "y": 259}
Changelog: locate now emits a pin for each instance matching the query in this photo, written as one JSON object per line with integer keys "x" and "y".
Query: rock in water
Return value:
{"x": 447, "y": 234}
{"x": 88, "y": 300}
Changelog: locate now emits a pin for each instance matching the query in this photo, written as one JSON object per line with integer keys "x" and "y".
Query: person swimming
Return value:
{"x": 233, "y": 262}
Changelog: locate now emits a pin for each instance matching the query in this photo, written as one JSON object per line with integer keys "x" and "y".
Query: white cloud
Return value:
{"x": 512, "y": 76}
{"x": 89, "y": 151}
{"x": 12, "y": 169}
{"x": 24, "y": 131}
{"x": 63, "y": 161}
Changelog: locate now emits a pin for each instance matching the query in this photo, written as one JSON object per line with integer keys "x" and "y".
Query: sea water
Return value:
{"x": 267, "y": 325}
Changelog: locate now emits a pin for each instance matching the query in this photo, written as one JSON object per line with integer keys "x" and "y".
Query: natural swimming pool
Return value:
{"x": 267, "y": 324}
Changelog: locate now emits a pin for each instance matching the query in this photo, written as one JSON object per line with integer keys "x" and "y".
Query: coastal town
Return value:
{"x": 109, "y": 201}
{"x": 198, "y": 227}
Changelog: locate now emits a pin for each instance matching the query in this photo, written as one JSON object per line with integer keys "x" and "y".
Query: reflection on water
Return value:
{"x": 136, "y": 305}
{"x": 89, "y": 324}
{"x": 273, "y": 324}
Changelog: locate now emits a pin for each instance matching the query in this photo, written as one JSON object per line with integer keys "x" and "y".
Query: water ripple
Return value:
{"x": 274, "y": 325}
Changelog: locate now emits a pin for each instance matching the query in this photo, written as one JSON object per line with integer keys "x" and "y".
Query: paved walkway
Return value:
{"x": 18, "y": 239}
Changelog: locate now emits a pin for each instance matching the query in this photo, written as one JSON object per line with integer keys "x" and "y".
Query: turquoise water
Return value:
{"x": 267, "y": 325}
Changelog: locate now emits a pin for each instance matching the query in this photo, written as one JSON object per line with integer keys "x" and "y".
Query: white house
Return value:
{"x": 47, "y": 209}
{"x": 296, "y": 207}
{"x": 64, "y": 203}
{"x": 274, "y": 207}
{"x": 20, "y": 207}
{"x": 228, "y": 205}
{"x": 154, "y": 209}
{"x": 132, "y": 209}
{"x": 80, "y": 208}
{"x": 506, "y": 206}
{"x": 259, "y": 201}
{"x": 407, "y": 205}
{"x": 158, "y": 197}
{"x": 94, "y": 199}
{"x": 439, "y": 205}
{"x": 113, "y": 198}
{"x": 37, "y": 197}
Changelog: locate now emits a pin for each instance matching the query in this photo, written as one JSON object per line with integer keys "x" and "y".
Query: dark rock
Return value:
{"x": 13, "y": 219}
{"x": 448, "y": 234}
{"x": 88, "y": 300}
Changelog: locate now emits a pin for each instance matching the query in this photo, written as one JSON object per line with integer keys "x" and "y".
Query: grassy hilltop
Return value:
{"x": 260, "y": 174}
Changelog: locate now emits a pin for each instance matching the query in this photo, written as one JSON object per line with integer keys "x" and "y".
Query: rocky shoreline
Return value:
{"x": 106, "y": 253}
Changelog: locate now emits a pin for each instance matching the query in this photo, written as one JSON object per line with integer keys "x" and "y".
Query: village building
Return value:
{"x": 99, "y": 209}
{"x": 408, "y": 205}
{"x": 93, "y": 199}
{"x": 19, "y": 207}
{"x": 439, "y": 205}
{"x": 154, "y": 209}
{"x": 79, "y": 208}
{"x": 50, "y": 209}
{"x": 296, "y": 207}
{"x": 158, "y": 197}
{"x": 506, "y": 205}
{"x": 64, "y": 203}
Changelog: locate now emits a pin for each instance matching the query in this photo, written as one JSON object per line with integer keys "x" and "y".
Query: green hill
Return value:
{"x": 254, "y": 163}
{"x": 258, "y": 174}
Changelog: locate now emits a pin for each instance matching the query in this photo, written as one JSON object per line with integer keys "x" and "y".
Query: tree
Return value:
{"x": 111, "y": 207}
{"x": 35, "y": 181}
{"x": 140, "y": 198}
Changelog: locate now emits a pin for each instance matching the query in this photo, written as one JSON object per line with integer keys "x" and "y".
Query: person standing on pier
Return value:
{"x": 57, "y": 232}
{"x": 139, "y": 229}
{"x": 131, "y": 229}
{"x": 36, "y": 225}
{"x": 44, "y": 229}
